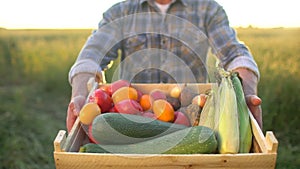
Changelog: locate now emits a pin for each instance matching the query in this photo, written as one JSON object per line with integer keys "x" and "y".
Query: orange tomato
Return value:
{"x": 163, "y": 110}
{"x": 124, "y": 93}
{"x": 145, "y": 102}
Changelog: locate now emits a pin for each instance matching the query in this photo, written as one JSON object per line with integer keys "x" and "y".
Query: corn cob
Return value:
{"x": 244, "y": 119}
{"x": 207, "y": 117}
{"x": 228, "y": 124}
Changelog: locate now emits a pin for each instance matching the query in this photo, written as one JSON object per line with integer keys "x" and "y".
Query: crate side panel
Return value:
{"x": 80, "y": 161}
{"x": 197, "y": 87}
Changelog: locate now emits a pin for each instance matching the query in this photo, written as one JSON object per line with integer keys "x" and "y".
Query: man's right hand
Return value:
{"x": 74, "y": 108}
{"x": 79, "y": 95}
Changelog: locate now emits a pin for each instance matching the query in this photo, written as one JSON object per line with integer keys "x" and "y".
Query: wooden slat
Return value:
{"x": 74, "y": 138}
{"x": 255, "y": 146}
{"x": 272, "y": 142}
{"x": 147, "y": 88}
{"x": 59, "y": 141}
{"x": 198, "y": 88}
{"x": 104, "y": 161}
{"x": 258, "y": 134}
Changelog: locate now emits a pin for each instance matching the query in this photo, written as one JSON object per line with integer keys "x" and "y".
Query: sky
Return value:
{"x": 61, "y": 14}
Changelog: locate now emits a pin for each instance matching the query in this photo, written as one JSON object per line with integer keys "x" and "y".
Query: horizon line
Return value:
{"x": 91, "y": 28}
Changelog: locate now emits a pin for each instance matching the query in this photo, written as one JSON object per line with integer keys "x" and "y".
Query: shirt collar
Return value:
{"x": 152, "y": 1}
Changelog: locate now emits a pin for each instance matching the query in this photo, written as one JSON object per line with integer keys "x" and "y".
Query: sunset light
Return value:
{"x": 86, "y": 14}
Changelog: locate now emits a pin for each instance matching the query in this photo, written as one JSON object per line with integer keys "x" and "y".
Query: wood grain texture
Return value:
{"x": 166, "y": 88}
{"x": 272, "y": 142}
{"x": 258, "y": 135}
{"x": 80, "y": 161}
{"x": 59, "y": 141}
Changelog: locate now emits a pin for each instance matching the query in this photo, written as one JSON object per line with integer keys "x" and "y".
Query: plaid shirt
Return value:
{"x": 159, "y": 47}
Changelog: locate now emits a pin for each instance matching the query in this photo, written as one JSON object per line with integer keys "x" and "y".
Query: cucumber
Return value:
{"x": 116, "y": 128}
{"x": 192, "y": 140}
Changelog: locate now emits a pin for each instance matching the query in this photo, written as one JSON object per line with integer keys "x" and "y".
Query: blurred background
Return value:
{"x": 36, "y": 55}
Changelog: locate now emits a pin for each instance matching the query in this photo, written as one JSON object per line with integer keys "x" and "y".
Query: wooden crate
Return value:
{"x": 66, "y": 148}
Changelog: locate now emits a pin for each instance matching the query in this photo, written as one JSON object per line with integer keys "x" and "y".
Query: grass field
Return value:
{"x": 34, "y": 91}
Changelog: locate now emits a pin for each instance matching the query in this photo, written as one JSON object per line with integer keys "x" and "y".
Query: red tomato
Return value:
{"x": 102, "y": 99}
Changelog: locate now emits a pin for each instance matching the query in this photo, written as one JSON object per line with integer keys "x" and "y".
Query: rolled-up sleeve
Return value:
{"x": 84, "y": 66}
{"x": 244, "y": 62}
{"x": 232, "y": 53}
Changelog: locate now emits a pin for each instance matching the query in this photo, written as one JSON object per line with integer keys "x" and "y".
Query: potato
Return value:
{"x": 193, "y": 112}
{"x": 186, "y": 96}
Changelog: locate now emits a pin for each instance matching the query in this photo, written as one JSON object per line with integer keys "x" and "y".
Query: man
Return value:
{"x": 163, "y": 41}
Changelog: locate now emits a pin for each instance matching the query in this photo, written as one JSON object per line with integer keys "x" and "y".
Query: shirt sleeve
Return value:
{"x": 84, "y": 66}
{"x": 100, "y": 48}
{"x": 232, "y": 53}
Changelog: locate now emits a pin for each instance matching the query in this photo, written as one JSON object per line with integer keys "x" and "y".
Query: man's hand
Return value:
{"x": 74, "y": 108}
{"x": 79, "y": 95}
{"x": 249, "y": 82}
{"x": 254, "y": 103}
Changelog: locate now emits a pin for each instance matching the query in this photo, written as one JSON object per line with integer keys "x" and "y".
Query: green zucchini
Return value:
{"x": 192, "y": 140}
{"x": 116, "y": 128}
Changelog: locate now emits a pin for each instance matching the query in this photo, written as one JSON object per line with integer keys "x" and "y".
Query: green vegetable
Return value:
{"x": 192, "y": 140}
{"x": 116, "y": 128}
{"x": 244, "y": 118}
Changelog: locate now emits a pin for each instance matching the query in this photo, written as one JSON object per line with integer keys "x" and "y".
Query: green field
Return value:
{"x": 34, "y": 91}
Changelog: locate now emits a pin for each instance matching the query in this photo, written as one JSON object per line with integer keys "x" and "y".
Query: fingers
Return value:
{"x": 71, "y": 116}
{"x": 253, "y": 100}
{"x": 73, "y": 111}
{"x": 78, "y": 102}
{"x": 254, "y": 103}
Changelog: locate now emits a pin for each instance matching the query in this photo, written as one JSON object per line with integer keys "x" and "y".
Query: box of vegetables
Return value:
{"x": 127, "y": 125}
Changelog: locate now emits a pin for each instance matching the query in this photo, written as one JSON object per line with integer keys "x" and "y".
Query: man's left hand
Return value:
{"x": 249, "y": 82}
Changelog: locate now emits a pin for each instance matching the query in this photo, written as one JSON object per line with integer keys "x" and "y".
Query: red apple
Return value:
{"x": 181, "y": 118}
{"x": 106, "y": 88}
{"x": 102, "y": 99}
{"x": 128, "y": 106}
{"x": 114, "y": 86}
